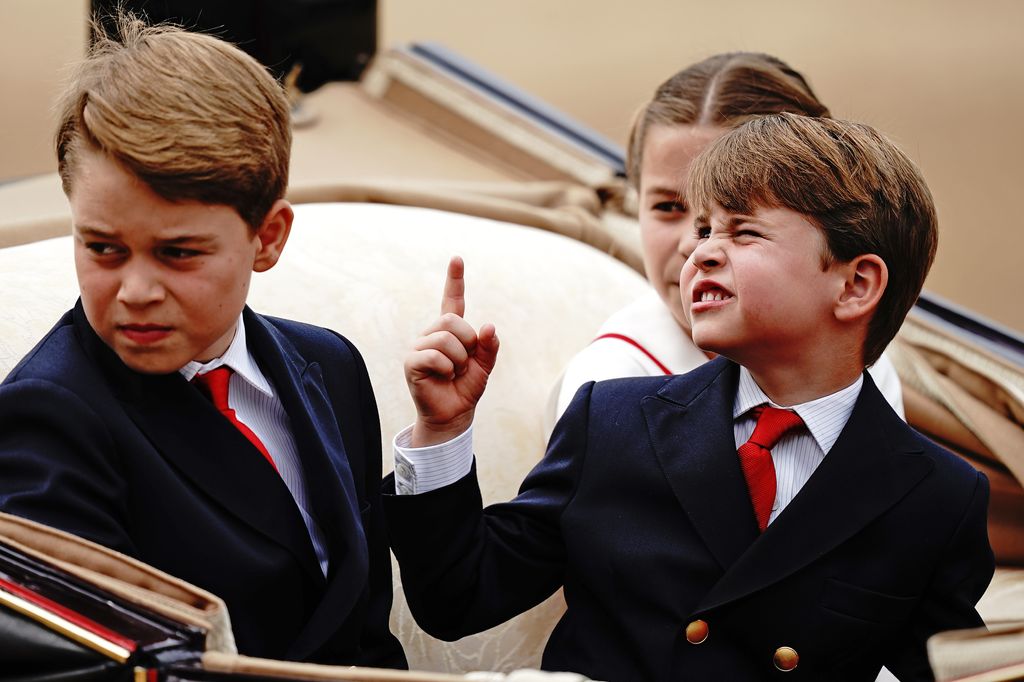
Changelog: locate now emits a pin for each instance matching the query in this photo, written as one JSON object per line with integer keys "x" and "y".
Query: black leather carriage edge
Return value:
{"x": 56, "y": 628}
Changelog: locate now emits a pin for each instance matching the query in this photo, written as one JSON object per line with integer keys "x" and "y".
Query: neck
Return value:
{"x": 787, "y": 389}
{"x": 808, "y": 376}
{"x": 803, "y": 369}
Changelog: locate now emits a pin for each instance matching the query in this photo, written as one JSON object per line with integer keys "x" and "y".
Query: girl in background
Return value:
{"x": 688, "y": 112}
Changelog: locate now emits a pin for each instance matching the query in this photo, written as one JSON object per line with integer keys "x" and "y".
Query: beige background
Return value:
{"x": 944, "y": 78}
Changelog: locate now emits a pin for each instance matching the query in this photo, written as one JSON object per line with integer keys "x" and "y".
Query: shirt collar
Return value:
{"x": 238, "y": 358}
{"x": 824, "y": 417}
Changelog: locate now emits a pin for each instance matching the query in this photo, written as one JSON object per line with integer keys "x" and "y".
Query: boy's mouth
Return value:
{"x": 144, "y": 333}
{"x": 708, "y": 291}
{"x": 714, "y": 296}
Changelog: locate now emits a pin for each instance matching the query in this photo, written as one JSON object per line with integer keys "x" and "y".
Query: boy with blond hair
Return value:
{"x": 767, "y": 512}
{"x": 161, "y": 416}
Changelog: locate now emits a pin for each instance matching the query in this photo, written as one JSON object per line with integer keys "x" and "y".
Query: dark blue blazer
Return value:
{"x": 639, "y": 508}
{"x": 144, "y": 464}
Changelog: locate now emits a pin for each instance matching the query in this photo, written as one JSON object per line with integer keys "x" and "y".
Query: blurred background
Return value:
{"x": 943, "y": 78}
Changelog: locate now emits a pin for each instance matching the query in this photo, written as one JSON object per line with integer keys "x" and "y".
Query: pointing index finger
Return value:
{"x": 454, "y": 298}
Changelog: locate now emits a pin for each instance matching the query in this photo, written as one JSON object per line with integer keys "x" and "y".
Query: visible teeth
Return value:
{"x": 713, "y": 296}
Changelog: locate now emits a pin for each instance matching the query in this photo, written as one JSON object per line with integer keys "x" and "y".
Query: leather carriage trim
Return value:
{"x": 66, "y": 622}
{"x": 145, "y": 675}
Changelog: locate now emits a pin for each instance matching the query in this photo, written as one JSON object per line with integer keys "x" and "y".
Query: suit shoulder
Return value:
{"x": 57, "y": 357}
{"x": 676, "y": 387}
{"x": 902, "y": 437}
{"x": 946, "y": 462}
{"x": 315, "y": 342}
{"x": 952, "y": 480}
{"x": 624, "y": 387}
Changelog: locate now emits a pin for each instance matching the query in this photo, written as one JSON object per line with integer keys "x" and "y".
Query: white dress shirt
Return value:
{"x": 799, "y": 452}
{"x": 796, "y": 455}
{"x": 256, "y": 405}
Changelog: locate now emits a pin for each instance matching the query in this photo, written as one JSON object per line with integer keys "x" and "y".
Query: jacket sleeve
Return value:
{"x": 58, "y": 464}
{"x": 466, "y": 568}
{"x": 956, "y": 586}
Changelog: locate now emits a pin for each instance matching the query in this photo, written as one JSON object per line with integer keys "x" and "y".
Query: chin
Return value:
{"x": 151, "y": 363}
{"x": 710, "y": 343}
{"x": 701, "y": 338}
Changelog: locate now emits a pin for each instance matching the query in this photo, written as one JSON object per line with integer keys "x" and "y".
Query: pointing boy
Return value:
{"x": 767, "y": 512}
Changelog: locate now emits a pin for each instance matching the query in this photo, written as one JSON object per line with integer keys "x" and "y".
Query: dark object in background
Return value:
{"x": 331, "y": 39}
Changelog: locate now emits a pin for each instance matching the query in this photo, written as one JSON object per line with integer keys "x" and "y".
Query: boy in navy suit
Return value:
{"x": 766, "y": 513}
{"x": 163, "y": 418}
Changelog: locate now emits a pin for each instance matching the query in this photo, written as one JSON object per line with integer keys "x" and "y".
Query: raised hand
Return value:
{"x": 448, "y": 366}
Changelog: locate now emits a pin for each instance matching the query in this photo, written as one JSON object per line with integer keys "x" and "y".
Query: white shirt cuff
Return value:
{"x": 420, "y": 470}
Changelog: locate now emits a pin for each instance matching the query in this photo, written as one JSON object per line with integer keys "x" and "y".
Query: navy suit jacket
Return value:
{"x": 640, "y": 510}
{"x": 144, "y": 464}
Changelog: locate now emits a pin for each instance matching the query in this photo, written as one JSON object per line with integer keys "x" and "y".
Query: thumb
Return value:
{"x": 486, "y": 353}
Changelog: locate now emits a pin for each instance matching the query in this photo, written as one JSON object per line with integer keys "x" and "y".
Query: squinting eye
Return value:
{"x": 102, "y": 248}
{"x": 175, "y": 253}
{"x": 669, "y": 207}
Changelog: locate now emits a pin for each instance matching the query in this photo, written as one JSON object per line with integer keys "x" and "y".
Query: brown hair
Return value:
{"x": 192, "y": 116}
{"x": 724, "y": 90}
{"x": 864, "y": 193}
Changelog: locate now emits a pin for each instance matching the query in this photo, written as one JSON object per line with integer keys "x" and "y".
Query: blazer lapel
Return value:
{"x": 328, "y": 476}
{"x": 691, "y": 430}
{"x": 870, "y": 468}
{"x": 205, "y": 448}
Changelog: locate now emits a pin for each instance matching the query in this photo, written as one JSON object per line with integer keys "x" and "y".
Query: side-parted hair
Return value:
{"x": 724, "y": 90}
{"x": 192, "y": 116}
{"x": 864, "y": 193}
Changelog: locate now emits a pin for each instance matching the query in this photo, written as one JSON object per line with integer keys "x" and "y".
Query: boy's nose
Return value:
{"x": 139, "y": 287}
{"x": 707, "y": 254}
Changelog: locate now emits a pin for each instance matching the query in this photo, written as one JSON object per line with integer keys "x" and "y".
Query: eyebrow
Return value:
{"x": 667, "y": 191}
{"x": 704, "y": 220}
{"x": 95, "y": 232}
{"x": 192, "y": 239}
{"x": 738, "y": 219}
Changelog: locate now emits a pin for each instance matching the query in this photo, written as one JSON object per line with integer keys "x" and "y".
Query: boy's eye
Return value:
{"x": 703, "y": 231}
{"x": 178, "y": 253}
{"x": 103, "y": 248}
{"x": 669, "y": 207}
{"x": 748, "y": 233}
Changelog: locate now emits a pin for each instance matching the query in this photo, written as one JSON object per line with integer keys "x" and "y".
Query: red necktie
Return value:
{"x": 756, "y": 458}
{"x": 215, "y": 384}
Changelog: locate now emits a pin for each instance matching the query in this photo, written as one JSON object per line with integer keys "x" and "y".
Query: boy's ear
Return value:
{"x": 273, "y": 234}
{"x": 866, "y": 277}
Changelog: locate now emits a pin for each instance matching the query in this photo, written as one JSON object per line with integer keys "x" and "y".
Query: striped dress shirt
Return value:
{"x": 252, "y": 397}
{"x": 799, "y": 452}
{"x": 796, "y": 455}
